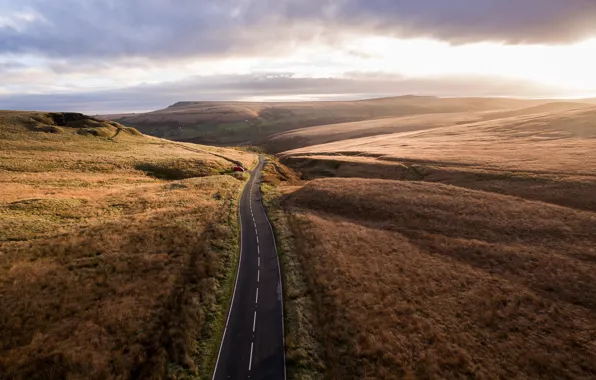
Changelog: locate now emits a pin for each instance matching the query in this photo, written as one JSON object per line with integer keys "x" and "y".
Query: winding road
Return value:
{"x": 252, "y": 346}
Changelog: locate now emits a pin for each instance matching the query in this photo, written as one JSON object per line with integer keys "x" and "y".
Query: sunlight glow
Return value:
{"x": 570, "y": 66}
{"x": 567, "y": 70}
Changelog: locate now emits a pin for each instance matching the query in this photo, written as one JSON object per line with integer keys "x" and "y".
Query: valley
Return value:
{"x": 441, "y": 238}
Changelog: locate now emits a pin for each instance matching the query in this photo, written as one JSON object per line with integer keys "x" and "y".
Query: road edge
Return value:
{"x": 238, "y": 264}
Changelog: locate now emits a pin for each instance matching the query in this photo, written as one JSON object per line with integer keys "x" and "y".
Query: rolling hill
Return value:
{"x": 464, "y": 249}
{"x": 115, "y": 249}
{"x": 322, "y": 134}
{"x": 234, "y": 123}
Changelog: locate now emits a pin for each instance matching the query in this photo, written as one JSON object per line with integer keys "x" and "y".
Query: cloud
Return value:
{"x": 459, "y": 21}
{"x": 165, "y": 29}
{"x": 272, "y": 86}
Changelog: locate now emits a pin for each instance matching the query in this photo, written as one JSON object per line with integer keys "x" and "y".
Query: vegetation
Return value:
{"x": 304, "y": 352}
{"x": 425, "y": 280}
{"x": 115, "y": 251}
{"x": 463, "y": 251}
{"x": 419, "y": 238}
{"x": 236, "y": 123}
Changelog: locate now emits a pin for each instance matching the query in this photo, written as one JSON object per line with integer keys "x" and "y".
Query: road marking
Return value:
{"x": 259, "y": 261}
{"x": 257, "y": 239}
{"x": 259, "y": 249}
{"x": 257, "y": 298}
{"x": 250, "y": 360}
{"x": 257, "y": 233}
{"x": 254, "y": 320}
{"x": 258, "y": 275}
{"x": 255, "y": 223}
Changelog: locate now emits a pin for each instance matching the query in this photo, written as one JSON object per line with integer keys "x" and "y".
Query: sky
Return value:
{"x": 109, "y": 56}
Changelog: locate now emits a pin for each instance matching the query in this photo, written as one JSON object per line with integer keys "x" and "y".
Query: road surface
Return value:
{"x": 253, "y": 341}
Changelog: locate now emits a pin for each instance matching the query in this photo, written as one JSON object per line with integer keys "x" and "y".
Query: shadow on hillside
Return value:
{"x": 550, "y": 187}
{"x": 546, "y": 248}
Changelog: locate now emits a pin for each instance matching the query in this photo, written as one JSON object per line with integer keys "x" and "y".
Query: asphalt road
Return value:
{"x": 253, "y": 342}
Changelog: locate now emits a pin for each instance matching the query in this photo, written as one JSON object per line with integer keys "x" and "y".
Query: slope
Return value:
{"x": 246, "y": 122}
{"x": 337, "y": 132}
{"x": 459, "y": 251}
{"x": 424, "y": 280}
{"x": 115, "y": 249}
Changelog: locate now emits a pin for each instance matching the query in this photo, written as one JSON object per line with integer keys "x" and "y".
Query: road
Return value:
{"x": 253, "y": 341}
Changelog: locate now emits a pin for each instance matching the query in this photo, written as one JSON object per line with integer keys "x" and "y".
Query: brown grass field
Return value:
{"x": 323, "y": 134}
{"x": 419, "y": 237}
{"x": 115, "y": 250}
{"x": 460, "y": 251}
{"x": 254, "y": 123}
{"x": 423, "y": 280}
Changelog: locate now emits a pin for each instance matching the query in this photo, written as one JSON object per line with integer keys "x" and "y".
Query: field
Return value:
{"x": 115, "y": 250}
{"x": 323, "y": 134}
{"x": 419, "y": 237}
{"x": 464, "y": 250}
{"x": 235, "y": 123}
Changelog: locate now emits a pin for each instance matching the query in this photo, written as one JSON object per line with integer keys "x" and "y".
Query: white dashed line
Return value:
{"x": 257, "y": 299}
{"x": 259, "y": 261}
{"x": 254, "y": 322}
{"x": 250, "y": 360}
{"x": 258, "y": 275}
{"x": 257, "y": 239}
{"x": 259, "y": 249}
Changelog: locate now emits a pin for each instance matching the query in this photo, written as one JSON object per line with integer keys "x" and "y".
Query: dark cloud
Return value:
{"x": 235, "y": 87}
{"x": 512, "y": 21}
{"x": 165, "y": 29}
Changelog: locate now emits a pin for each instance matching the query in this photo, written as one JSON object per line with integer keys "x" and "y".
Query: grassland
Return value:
{"x": 460, "y": 251}
{"x": 115, "y": 250}
{"x": 254, "y": 123}
{"x": 304, "y": 351}
{"x": 423, "y": 280}
{"x": 547, "y": 157}
{"x": 384, "y": 127}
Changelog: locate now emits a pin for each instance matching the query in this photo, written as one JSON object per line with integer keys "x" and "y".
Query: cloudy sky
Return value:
{"x": 101, "y": 56}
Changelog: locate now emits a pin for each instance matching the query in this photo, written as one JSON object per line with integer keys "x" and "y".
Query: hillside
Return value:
{"x": 546, "y": 157}
{"x": 245, "y": 122}
{"x": 114, "y": 249}
{"x": 465, "y": 250}
{"x": 424, "y": 280}
{"x": 322, "y": 134}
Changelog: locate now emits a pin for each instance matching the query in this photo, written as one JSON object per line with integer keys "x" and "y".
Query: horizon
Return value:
{"x": 289, "y": 101}
{"x": 114, "y": 57}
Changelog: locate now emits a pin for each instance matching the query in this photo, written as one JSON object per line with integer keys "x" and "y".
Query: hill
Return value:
{"x": 459, "y": 250}
{"x": 115, "y": 249}
{"x": 236, "y": 123}
{"x": 424, "y": 280}
{"x": 322, "y": 134}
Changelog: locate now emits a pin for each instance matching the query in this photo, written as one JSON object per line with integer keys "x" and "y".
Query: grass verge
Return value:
{"x": 304, "y": 354}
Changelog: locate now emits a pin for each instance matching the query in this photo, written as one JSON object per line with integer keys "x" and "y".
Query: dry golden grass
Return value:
{"x": 423, "y": 280}
{"x": 552, "y": 142}
{"x": 547, "y": 157}
{"x": 463, "y": 251}
{"x": 323, "y": 134}
{"x": 109, "y": 268}
{"x": 244, "y": 122}
{"x": 304, "y": 351}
